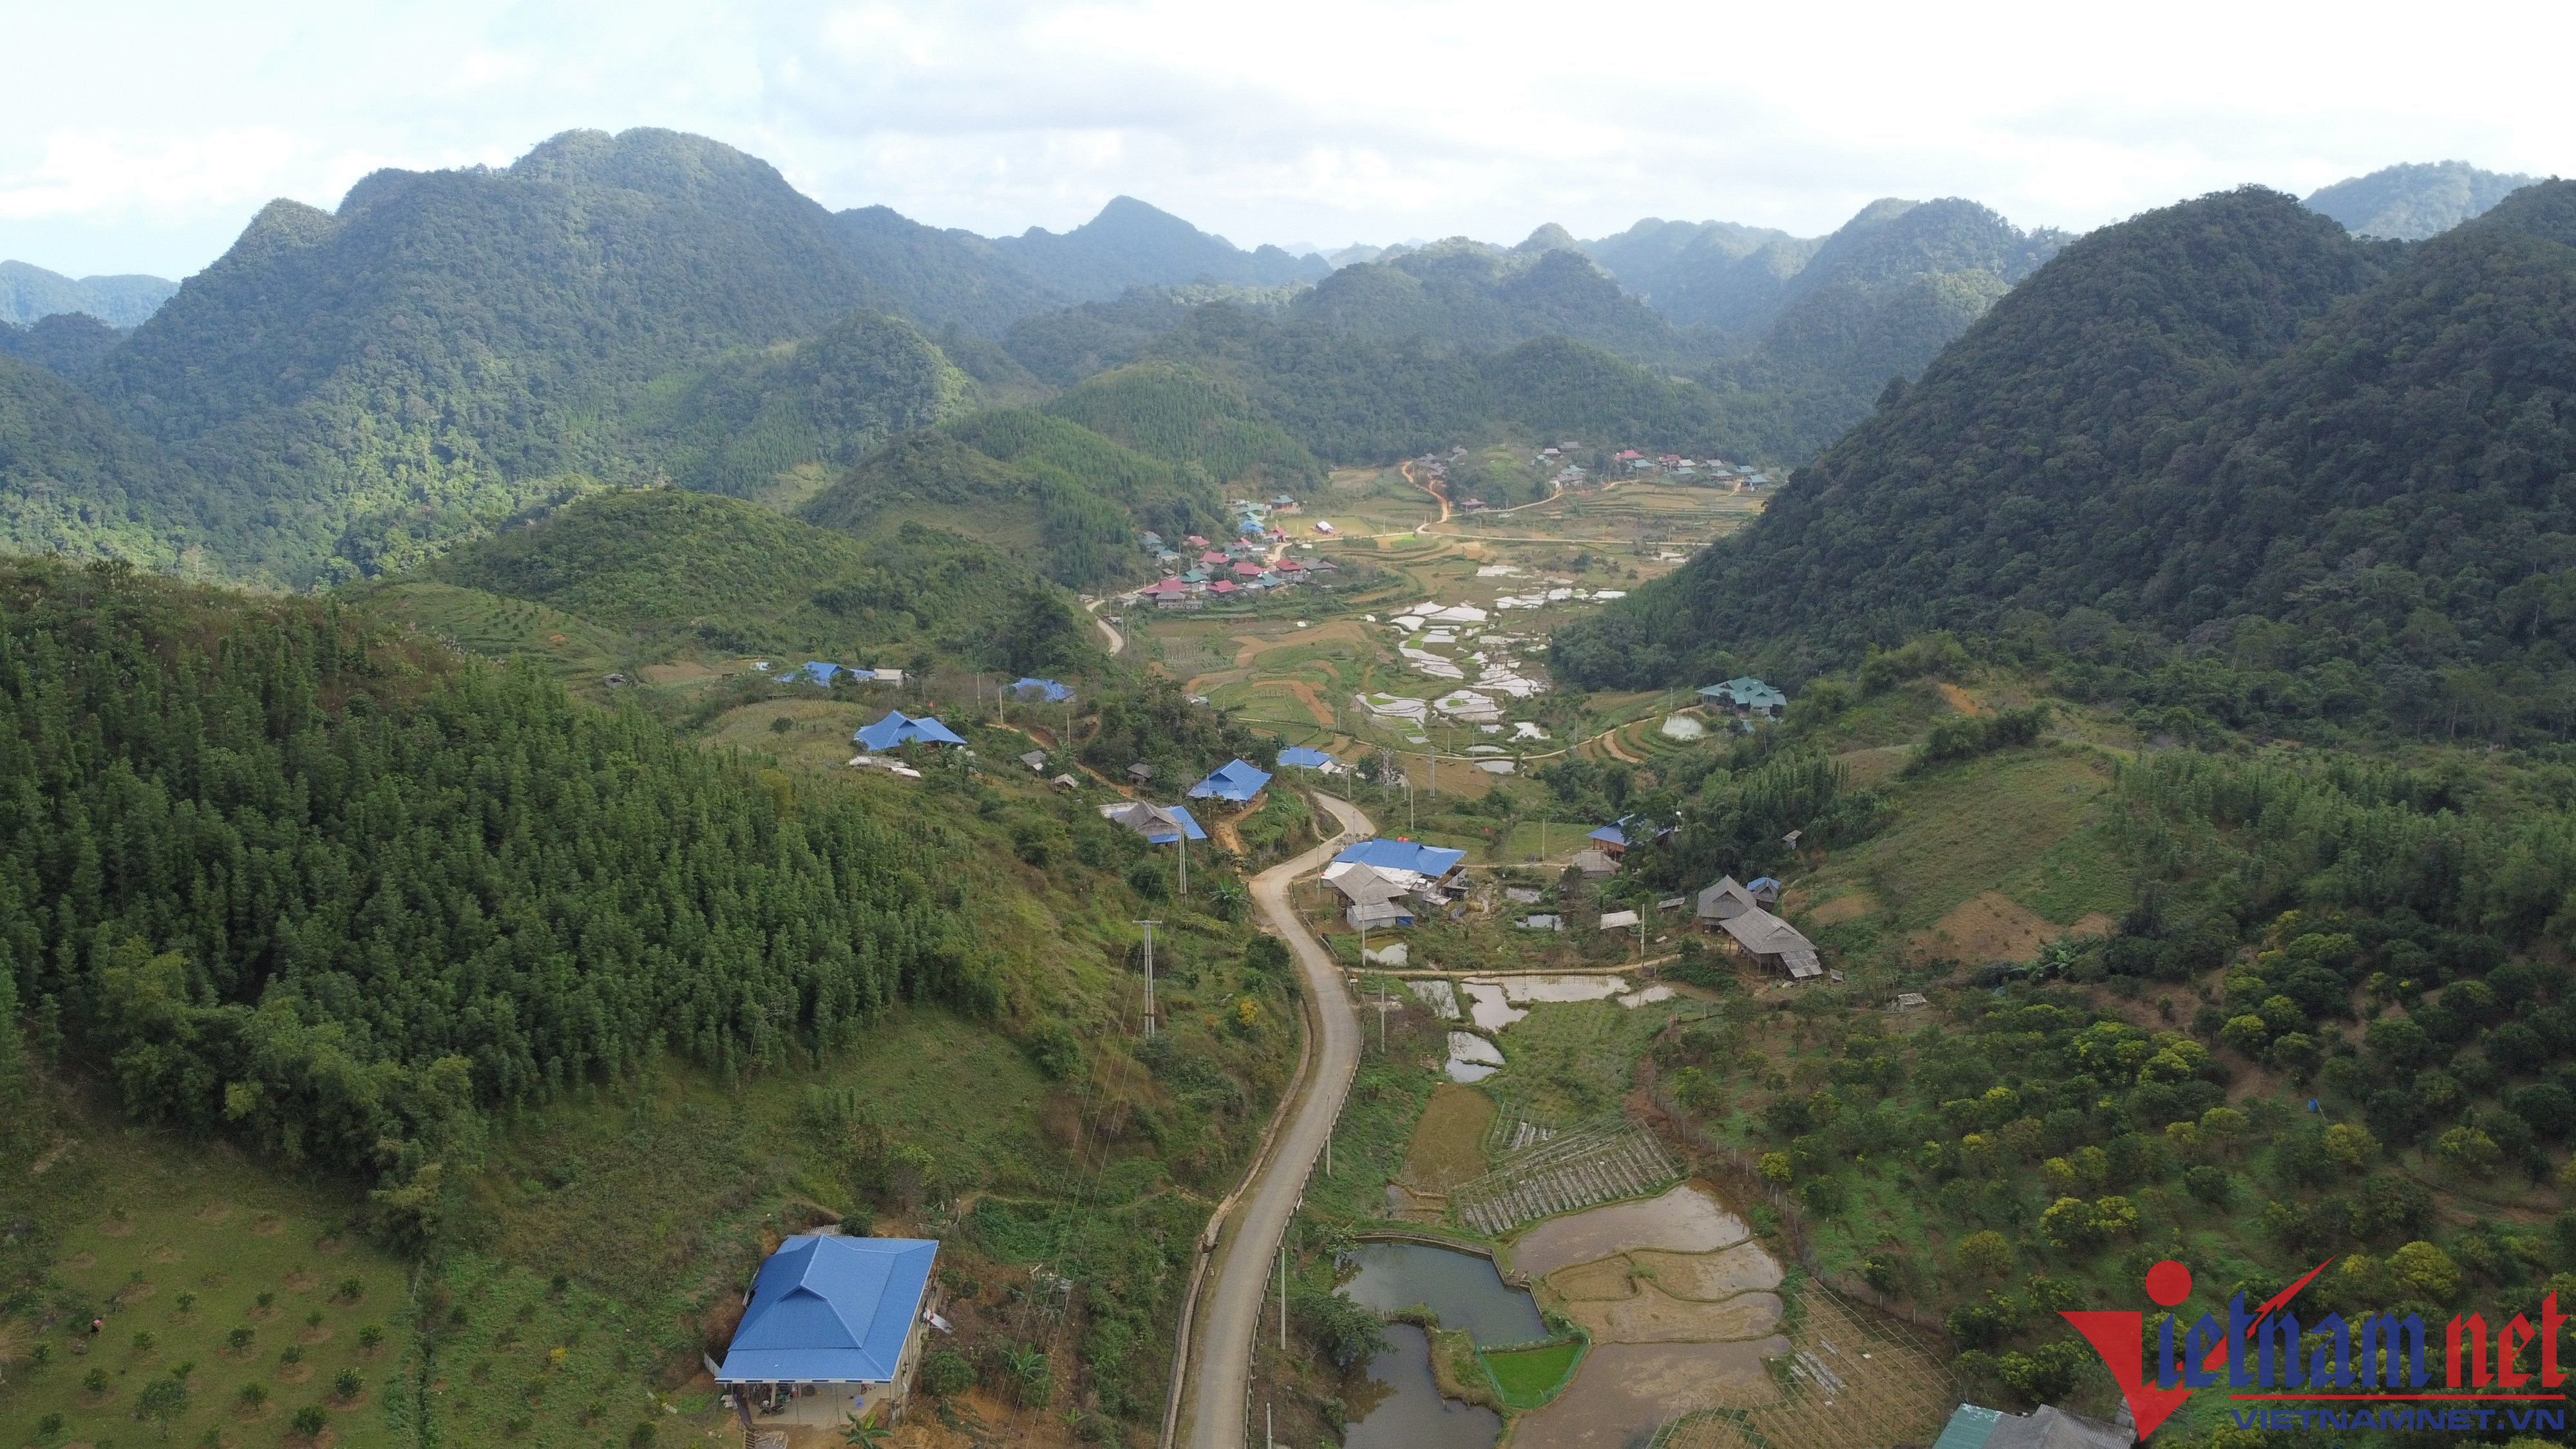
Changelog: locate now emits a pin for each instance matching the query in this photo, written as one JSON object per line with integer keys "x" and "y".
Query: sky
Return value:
{"x": 141, "y": 137}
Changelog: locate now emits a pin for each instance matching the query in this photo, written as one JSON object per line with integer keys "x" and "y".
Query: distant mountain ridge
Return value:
{"x": 2343, "y": 463}
{"x": 2413, "y": 201}
{"x": 29, "y": 294}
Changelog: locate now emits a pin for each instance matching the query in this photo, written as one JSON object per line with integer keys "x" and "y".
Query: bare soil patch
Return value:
{"x": 214, "y": 1212}
{"x": 1988, "y": 927}
{"x": 302, "y": 1280}
{"x": 1687, "y": 1219}
{"x": 1959, "y": 699}
{"x": 1654, "y": 1316}
{"x": 679, "y": 673}
{"x": 1447, "y": 1147}
{"x": 1849, "y": 906}
{"x": 265, "y": 1227}
{"x": 1604, "y": 1281}
{"x": 115, "y": 1227}
{"x": 1743, "y": 1268}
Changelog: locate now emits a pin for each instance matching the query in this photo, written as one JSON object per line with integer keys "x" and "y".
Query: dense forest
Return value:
{"x": 2226, "y": 425}
{"x": 292, "y": 879}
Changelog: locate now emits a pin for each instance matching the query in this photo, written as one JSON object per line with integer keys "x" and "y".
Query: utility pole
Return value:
{"x": 1185, "y": 858}
{"x": 1149, "y": 974}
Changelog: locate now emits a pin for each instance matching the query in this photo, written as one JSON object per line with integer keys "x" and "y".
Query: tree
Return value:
{"x": 866, "y": 1433}
{"x": 1987, "y": 1253}
{"x": 162, "y": 1400}
{"x": 2469, "y": 1150}
{"x": 2423, "y": 1271}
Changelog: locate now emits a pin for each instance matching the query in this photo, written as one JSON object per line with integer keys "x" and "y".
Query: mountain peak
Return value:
{"x": 1550, "y": 238}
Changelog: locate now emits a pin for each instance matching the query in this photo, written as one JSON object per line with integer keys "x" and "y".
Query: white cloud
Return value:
{"x": 1336, "y": 119}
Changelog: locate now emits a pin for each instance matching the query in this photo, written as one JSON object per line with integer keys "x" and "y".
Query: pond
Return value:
{"x": 1462, "y": 1288}
{"x": 1409, "y": 1412}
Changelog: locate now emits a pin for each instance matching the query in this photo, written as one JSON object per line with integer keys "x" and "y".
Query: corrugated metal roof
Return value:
{"x": 831, "y": 1310}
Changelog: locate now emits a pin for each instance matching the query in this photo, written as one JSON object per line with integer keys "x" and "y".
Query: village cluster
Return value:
{"x": 1253, "y": 563}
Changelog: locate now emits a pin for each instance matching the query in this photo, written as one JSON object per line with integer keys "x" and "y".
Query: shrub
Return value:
{"x": 310, "y": 1421}
{"x": 252, "y": 1396}
{"x": 348, "y": 1383}
{"x": 947, "y": 1373}
{"x": 1987, "y": 1253}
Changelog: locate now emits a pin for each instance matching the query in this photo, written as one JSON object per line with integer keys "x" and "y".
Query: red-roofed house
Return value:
{"x": 1246, "y": 569}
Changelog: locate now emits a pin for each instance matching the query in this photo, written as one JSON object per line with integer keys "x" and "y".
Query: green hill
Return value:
{"x": 676, "y": 568}
{"x": 2412, "y": 202}
{"x": 1466, "y": 294}
{"x": 744, "y": 425}
{"x": 2227, "y": 423}
{"x": 1182, "y": 415}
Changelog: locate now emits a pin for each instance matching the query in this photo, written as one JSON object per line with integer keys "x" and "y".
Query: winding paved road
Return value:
{"x": 1220, "y": 1366}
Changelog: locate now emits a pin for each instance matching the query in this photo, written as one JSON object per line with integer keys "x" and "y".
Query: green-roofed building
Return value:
{"x": 1746, "y": 695}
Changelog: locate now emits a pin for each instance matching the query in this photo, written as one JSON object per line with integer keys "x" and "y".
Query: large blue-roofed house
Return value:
{"x": 898, "y": 728}
{"x": 1234, "y": 782}
{"x": 833, "y": 1328}
{"x": 820, "y": 672}
{"x": 1432, "y": 863}
{"x": 1303, "y": 758}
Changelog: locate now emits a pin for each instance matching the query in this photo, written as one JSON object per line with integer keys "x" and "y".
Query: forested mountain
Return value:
{"x": 75, "y": 481}
{"x": 1356, "y": 400}
{"x": 1711, "y": 273}
{"x": 944, "y": 279}
{"x": 2411, "y": 202}
{"x": 1467, "y": 294}
{"x": 29, "y": 294}
{"x": 2225, "y": 423}
{"x": 738, "y": 425}
{"x": 1131, "y": 244}
{"x": 359, "y": 387}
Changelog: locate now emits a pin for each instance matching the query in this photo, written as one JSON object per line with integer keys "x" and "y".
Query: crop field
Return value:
{"x": 1569, "y": 1171}
{"x": 228, "y": 1302}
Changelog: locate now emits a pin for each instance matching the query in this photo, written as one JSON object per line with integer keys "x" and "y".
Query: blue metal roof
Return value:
{"x": 1410, "y": 855}
{"x": 1969, "y": 1427}
{"x": 1758, "y": 882}
{"x": 1300, "y": 756}
{"x": 1610, "y": 835}
{"x": 898, "y": 728}
{"x": 1236, "y": 780}
{"x": 830, "y": 1310}
{"x": 818, "y": 672}
{"x": 1046, "y": 689}
{"x": 1188, "y": 822}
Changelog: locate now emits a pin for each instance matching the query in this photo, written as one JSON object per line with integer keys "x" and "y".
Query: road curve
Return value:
{"x": 1220, "y": 1365}
{"x": 1117, "y": 641}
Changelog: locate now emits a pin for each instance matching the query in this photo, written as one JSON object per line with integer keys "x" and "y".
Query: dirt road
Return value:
{"x": 1220, "y": 1367}
{"x": 1117, "y": 641}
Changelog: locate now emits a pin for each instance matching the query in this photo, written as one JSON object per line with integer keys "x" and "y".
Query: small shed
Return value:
{"x": 1159, "y": 824}
{"x": 1594, "y": 864}
{"x": 1619, "y": 921}
{"x": 1065, "y": 782}
{"x": 1140, "y": 772}
{"x": 1036, "y": 761}
{"x": 1046, "y": 691}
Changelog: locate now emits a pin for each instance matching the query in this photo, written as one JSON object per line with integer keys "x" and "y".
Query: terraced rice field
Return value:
{"x": 1561, "y": 1175}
